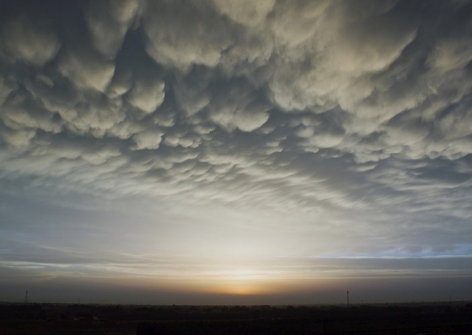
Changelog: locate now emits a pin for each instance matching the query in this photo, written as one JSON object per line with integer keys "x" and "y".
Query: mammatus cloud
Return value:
{"x": 108, "y": 23}
{"x": 147, "y": 95}
{"x": 24, "y": 40}
{"x": 353, "y": 118}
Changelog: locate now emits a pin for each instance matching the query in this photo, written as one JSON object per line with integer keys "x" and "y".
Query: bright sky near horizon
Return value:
{"x": 214, "y": 151}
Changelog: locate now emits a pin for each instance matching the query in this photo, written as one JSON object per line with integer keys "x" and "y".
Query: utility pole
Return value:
{"x": 26, "y": 297}
{"x": 347, "y": 298}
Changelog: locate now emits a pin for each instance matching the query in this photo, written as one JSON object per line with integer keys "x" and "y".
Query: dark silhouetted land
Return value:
{"x": 399, "y": 319}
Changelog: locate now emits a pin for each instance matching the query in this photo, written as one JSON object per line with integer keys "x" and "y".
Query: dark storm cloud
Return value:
{"x": 356, "y": 112}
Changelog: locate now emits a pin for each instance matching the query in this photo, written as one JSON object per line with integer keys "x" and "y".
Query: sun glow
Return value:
{"x": 244, "y": 281}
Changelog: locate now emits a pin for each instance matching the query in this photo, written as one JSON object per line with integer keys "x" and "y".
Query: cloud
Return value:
{"x": 185, "y": 34}
{"x": 191, "y": 92}
{"x": 109, "y": 22}
{"x": 27, "y": 40}
{"x": 245, "y": 119}
{"x": 147, "y": 139}
{"x": 246, "y": 12}
{"x": 147, "y": 95}
{"x": 450, "y": 54}
{"x": 373, "y": 45}
{"x": 20, "y": 138}
{"x": 86, "y": 70}
{"x": 355, "y": 118}
{"x": 238, "y": 108}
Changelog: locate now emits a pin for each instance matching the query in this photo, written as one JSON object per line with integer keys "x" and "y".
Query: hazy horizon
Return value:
{"x": 330, "y": 292}
{"x": 235, "y": 152}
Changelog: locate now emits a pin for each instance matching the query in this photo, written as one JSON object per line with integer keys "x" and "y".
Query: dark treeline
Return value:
{"x": 149, "y": 320}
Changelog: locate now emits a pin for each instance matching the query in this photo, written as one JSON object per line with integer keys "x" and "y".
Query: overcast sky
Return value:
{"x": 236, "y": 151}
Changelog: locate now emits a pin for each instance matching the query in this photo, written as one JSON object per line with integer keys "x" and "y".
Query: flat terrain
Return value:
{"x": 398, "y": 319}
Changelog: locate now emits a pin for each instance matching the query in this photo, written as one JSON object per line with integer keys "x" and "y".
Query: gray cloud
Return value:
{"x": 29, "y": 41}
{"x": 147, "y": 95}
{"x": 353, "y": 118}
{"x": 108, "y": 22}
{"x": 185, "y": 34}
{"x": 86, "y": 70}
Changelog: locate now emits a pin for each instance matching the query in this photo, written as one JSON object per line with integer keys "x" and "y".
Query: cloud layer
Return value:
{"x": 352, "y": 119}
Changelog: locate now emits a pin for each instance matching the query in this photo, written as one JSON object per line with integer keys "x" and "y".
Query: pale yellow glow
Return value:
{"x": 240, "y": 278}
{"x": 243, "y": 281}
{"x": 241, "y": 288}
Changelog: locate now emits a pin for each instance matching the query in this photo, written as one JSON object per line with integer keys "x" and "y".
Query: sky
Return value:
{"x": 235, "y": 152}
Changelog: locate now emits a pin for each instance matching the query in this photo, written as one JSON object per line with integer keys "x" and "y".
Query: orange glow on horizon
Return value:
{"x": 235, "y": 281}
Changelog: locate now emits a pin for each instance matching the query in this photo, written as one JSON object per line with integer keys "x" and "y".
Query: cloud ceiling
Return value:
{"x": 356, "y": 113}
